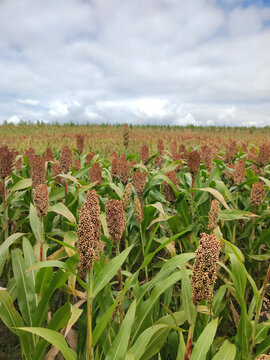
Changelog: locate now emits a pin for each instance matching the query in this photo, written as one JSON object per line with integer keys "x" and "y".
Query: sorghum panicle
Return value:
{"x": 80, "y": 143}
{"x": 160, "y": 146}
{"x": 193, "y": 162}
{"x": 95, "y": 174}
{"x": 123, "y": 170}
{"x": 77, "y": 164}
{"x": 138, "y": 180}
{"x": 89, "y": 157}
{"x": 239, "y": 172}
{"x": 204, "y": 270}
{"x": 126, "y": 195}
{"x": 66, "y": 159}
{"x": 207, "y": 155}
{"x": 115, "y": 218}
{"x": 213, "y": 215}
{"x": 48, "y": 155}
{"x": 37, "y": 171}
{"x": 138, "y": 209}
{"x": 167, "y": 191}
{"x": 41, "y": 199}
{"x": 144, "y": 154}
{"x": 126, "y": 135}
{"x": 56, "y": 170}
{"x": 231, "y": 151}
{"x": 257, "y": 194}
{"x": 264, "y": 155}
{"x": 6, "y": 160}
{"x": 263, "y": 357}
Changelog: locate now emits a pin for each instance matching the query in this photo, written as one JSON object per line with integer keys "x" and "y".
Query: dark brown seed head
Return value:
{"x": 166, "y": 187}
{"x": 160, "y": 146}
{"x": 30, "y": 154}
{"x": 41, "y": 199}
{"x": 204, "y": 270}
{"x": 115, "y": 218}
{"x": 126, "y": 195}
{"x": 37, "y": 171}
{"x": 123, "y": 170}
{"x": 231, "y": 152}
{"x": 95, "y": 174}
{"x": 138, "y": 180}
{"x": 182, "y": 151}
{"x": 6, "y": 160}
{"x": 48, "y": 155}
{"x": 264, "y": 155}
{"x": 77, "y": 164}
{"x": 138, "y": 209}
{"x": 257, "y": 194}
{"x": 66, "y": 159}
{"x": 126, "y": 135}
{"x": 89, "y": 157}
{"x": 213, "y": 215}
{"x": 193, "y": 162}
{"x": 56, "y": 170}
{"x": 239, "y": 172}
{"x": 80, "y": 142}
{"x": 207, "y": 156}
{"x": 144, "y": 154}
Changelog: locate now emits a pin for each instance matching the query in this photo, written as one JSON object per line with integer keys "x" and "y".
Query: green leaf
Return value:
{"x": 9, "y": 241}
{"x": 137, "y": 350}
{"x": 267, "y": 182}
{"x": 109, "y": 270}
{"x": 215, "y": 193}
{"x": 235, "y": 214}
{"x": 22, "y": 286}
{"x": 12, "y": 319}
{"x": 226, "y": 352}
{"x": 22, "y": 184}
{"x": 103, "y": 321}
{"x": 61, "y": 209}
{"x": 54, "y": 338}
{"x": 262, "y": 331}
{"x": 35, "y": 223}
{"x": 186, "y": 292}
{"x": 60, "y": 317}
{"x": 119, "y": 346}
{"x": 204, "y": 341}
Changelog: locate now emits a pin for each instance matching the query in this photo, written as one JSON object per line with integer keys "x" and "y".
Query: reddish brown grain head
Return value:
{"x": 95, "y": 174}
{"x": 115, "y": 218}
{"x": 48, "y": 155}
{"x": 77, "y": 164}
{"x": 264, "y": 155}
{"x": 89, "y": 157}
{"x": 138, "y": 179}
{"x": 138, "y": 209}
{"x": 30, "y": 153}
{"x": 160, "y": 146}
{"x": 6, "y": 162}
{"x": 126, "y": 135}
{"x": 66, "y": 159}
{"x": 56, "y": 170}
{"x": 231, "y": 152}
{"x": 80, "y": 143}
{"x": 207, "y": 156}
{"x": 193, "y": 162}
{"x": 144, "y": 154}
{"x": 257, "y": 194}
{"x": 166, "y": 187}
{"x": 114, "y": 165}
{"x": 213, "y": 215}
{"x": 123, "y": 170}
{"x": 41, "y": 199}
{"x": 37, "y": 171}
{"x": 239, "y": 172}
{"x": 204, "y": 270}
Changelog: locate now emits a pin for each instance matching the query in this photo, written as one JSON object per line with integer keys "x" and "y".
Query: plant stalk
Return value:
{"x": 89, "y": 340}
{"x": 143, "y": 251}
{"x": 190, "y": 336}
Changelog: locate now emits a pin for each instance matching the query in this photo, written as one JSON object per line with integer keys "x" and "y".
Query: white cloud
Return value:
{"x": 30, "y": 102}
{"x": 14, "y": 119}
{"x": 110, "y": 61}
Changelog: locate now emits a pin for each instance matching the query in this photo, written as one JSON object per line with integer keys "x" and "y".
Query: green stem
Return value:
{"x": 120, "y": 288}
{"x": 259, "y": 308}
{"x": 143, "y": 247}
{"x": 89, "y": 340}
{"x": 5, "y": 209}
{"x": 190, "y": 335}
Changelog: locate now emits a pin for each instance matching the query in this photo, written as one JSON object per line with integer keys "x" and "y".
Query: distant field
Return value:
{"x": 105, "y": 138}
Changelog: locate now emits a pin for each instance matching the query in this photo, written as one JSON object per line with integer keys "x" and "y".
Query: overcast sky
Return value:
{"x": 201, "y": 62}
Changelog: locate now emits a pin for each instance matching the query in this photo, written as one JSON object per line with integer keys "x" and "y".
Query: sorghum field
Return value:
{"x": 128, "y": 243}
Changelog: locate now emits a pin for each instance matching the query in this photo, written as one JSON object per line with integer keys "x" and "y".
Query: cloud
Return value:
{"x": 14, "y": 119}
{"x": 109, "y": 61}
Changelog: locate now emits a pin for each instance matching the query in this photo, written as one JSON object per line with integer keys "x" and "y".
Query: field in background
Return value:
{"x": 105, "y": 138}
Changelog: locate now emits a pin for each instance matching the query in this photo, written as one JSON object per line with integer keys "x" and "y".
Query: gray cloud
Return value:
{"x": 154, "y": 61}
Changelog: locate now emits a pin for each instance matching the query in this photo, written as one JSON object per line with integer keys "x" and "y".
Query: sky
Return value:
{"x": 162, "y": 62}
